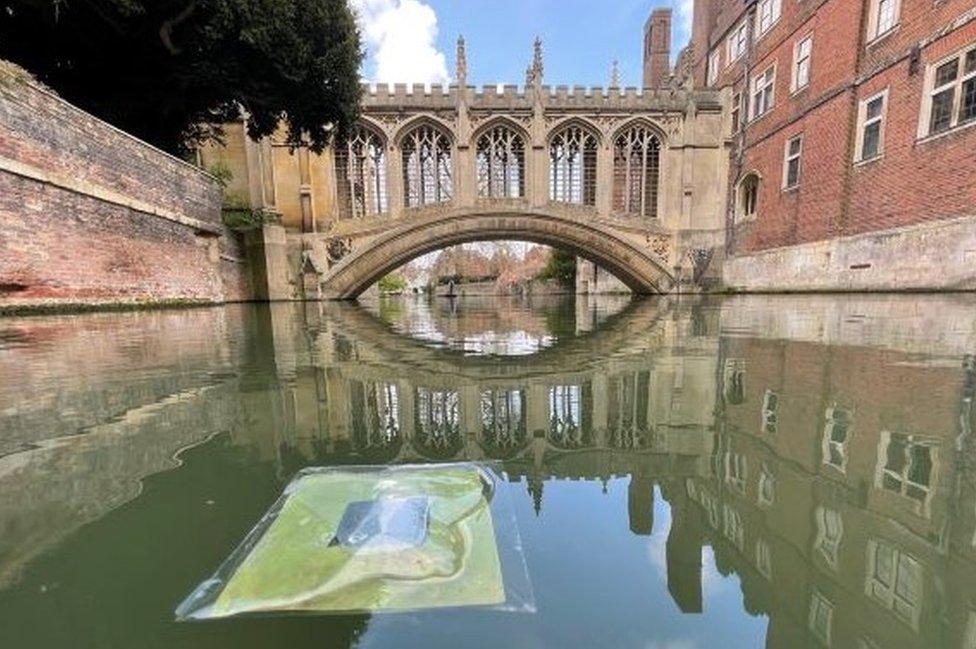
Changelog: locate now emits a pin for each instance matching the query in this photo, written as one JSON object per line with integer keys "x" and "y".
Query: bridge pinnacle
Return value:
{"x": 461, "y": 61}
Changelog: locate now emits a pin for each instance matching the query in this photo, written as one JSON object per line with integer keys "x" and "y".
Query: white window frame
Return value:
{"x": 764, "y": 559}
{"x": 830, "y": 534}
{"x": 888, "y": 594}
{"x": 828, "y": 438}
{"x": 766, "y": 481}
{"x": 736, "y": 43}
{"x": 732, "y": 527}
{"x": 881, "y": 469}
{"x": 797, "y": 83}
{"x": 714, "y": 66}
{"x": 925, "y": 118}
{"x": 863, "y": 123}
{"x": 767, "y": 15}
{"x": 878, "y": 29}
{"x": 759, "y": 85}
{"x": 818, "y": 603}
{"x": 770, "y": 412}
{"x": 736, "y": 471}
{"x": 790, "y": 157}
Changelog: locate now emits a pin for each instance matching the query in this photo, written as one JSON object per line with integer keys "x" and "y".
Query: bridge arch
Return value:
{"x": 629, "y": 258}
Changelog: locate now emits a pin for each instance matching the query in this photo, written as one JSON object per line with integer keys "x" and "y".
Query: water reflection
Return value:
{"x": 814, "y": 455}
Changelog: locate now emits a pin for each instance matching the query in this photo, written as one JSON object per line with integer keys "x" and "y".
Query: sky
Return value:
{"x": 413, "y": 41}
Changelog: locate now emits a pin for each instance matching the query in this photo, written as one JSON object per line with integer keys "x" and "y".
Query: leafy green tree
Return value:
{"x": 392, "y": 283}
{"x": 172, "y": 71}
{"x": 561, "y": 267}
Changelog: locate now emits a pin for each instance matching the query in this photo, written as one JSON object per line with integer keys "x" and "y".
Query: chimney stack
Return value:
{"x": 657, "y": 48}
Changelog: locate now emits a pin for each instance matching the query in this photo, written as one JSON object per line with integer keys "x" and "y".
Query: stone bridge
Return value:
{"x": 629, "y": 179}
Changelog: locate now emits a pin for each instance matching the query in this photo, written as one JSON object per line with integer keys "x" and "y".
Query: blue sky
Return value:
{"x": 414, "y": 40}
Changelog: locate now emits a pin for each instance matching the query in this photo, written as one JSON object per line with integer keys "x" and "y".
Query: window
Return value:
{"x": 906, "y": 465}
{"x": 837, "y": 429}
{"x": 770, "y": 412}
{"x": 764, "y": 559}
{"x": 426, "y": 167}
{"x": 572, "y": 166}
{"x": 736, "y": 43}
{"x": 821, "y": 617}
{"x": 801, "y": 63}
{"x": 748, "y": 197}
{"x": 501, "y": 163}
{"x": 361, "y": 175}
{"x": 736, "y": 471}
{"x": 883, "y": 17}
{"x": 636, "y": 170}
{"x": 763, "y": 87}
{"x": 714, "y": 59}
{"x": 437, "y": 423}
{"x": 767, "y": 487}
{"x": 736, "y": 112}
{"x": 569, "y": 427}
{"x": 732, "y": 527}
{"x": 951, "y": 102}
{"x": 733, "y": 381}
{"x": 830, "y": 532}
{"x": 766, "y": 16}
{"x": 870, "y": 133}
{"x": 791, "y": 167}
{"x": 895, "y": 581}
{"x": 503, "y": 430}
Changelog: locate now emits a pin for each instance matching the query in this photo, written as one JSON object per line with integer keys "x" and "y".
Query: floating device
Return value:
{"x": 374, "y": 539}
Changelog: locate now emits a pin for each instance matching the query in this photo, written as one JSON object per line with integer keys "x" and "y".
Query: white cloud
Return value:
{"x": 684, "y": 10}
{"x": 400, "y": 38}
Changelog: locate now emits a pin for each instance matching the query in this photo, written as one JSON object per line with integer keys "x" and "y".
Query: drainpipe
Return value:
{"x": 739, "y": 139}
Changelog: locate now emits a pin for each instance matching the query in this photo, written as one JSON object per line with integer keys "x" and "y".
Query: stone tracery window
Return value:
{"x": 427, "y": 172}
{"x": 636, "y": 171}
{"x": 572, "y": 166}
{"x": 501, "y": 163}
{"x": 361, "y": 175}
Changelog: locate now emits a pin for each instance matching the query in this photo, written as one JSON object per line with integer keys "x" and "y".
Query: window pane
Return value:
{"x": 942, "y": 110}
{"x": 874, "y": 107}
{"x": 872, "y": 140}
{"x": 920, "y": 470}
{"x": 795, "y": 147}
{"x": 970, "y": 61}
{"x": 967, "y": 108}
{"x": 946, "y": 73}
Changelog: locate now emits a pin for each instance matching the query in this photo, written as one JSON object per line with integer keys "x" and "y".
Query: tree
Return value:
{"x": 172, "y": 71}
{"x": 561, "y": 266}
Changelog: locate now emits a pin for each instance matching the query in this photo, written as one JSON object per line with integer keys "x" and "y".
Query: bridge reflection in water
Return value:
{"x": 823, "y": 449}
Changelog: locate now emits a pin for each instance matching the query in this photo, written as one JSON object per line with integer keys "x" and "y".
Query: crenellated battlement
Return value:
{"x": 510, "y": 96}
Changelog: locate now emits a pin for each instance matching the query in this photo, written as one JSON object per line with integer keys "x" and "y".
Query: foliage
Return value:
{"x": 392, "y": 283}
{"x": 172, "y": 71}
{"x": 561, "y": 267}
{"x": 244, "y": 218}
{"x": 221, "y": 173}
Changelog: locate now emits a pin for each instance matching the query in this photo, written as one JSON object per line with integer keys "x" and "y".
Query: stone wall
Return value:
{"x": 92, "y": 216}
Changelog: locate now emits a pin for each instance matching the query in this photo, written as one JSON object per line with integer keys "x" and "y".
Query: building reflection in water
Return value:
{"x": 822, "y": 448}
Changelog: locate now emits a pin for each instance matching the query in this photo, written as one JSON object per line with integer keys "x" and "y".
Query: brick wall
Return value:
{"x": 90, "y": 215}
{"x": 916, "y": 181}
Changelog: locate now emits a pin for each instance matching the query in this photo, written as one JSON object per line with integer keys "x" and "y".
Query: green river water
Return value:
{"x": 774, "y": 472}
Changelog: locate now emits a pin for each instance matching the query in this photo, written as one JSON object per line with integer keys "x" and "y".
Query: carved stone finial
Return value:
{"x": 615, "y": 74}
{"x": 461, "y": 61}
{"x": 537, "y": 61}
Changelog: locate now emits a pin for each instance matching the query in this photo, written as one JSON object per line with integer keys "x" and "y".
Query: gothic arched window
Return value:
{"x": 747, "y": 199}
{"x": 427, "y": 173}
{"x": 572, "y": 166}
{"x": 361, "y": 175}
{"x": 636, "y": 171}
{"x": 437, "y": 423}
{"x": 501, "y": 163}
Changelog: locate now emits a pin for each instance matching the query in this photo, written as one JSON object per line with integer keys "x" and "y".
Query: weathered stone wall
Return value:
{"x": 92, "y": 216}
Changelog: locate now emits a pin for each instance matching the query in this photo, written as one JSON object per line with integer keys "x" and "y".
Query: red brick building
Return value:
{"x": 850, "y": 119}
